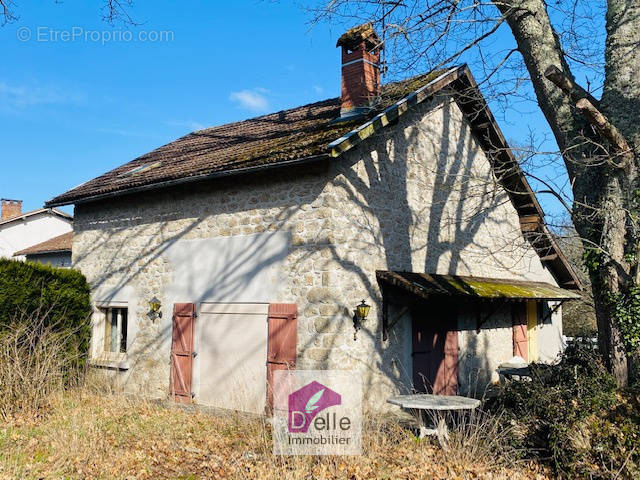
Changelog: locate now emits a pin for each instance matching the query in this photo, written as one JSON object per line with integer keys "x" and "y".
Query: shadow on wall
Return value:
{"x": 482, "y": 351}
{"x": 409, "y": 200}
{"x": 417, "y": 202}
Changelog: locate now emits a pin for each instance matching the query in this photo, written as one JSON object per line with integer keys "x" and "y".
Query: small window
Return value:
{"x": 140, "y": 169}
{"x": 115, "y": 330}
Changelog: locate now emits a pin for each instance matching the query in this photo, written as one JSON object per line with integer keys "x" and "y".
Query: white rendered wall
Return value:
{"x": 20, "y": 234}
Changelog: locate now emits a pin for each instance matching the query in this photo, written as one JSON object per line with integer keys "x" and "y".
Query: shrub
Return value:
{"x": 33, "y": 366}
{"x": 572, "y": 415}
{"x": 59, "y": 297}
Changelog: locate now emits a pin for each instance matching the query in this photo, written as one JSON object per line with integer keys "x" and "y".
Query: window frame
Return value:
{"x": 102, "y": 357}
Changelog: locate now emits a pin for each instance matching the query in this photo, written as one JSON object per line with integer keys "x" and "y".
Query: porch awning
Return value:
{"x": 433, "y": 285}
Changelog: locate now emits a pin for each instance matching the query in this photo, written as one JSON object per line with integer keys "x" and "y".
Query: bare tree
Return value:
{"x": 531, "y": 50}
{"x": 113, "y": 11}
{"x": 6, "y": 11}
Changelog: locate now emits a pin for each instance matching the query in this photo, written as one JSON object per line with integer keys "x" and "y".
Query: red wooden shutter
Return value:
{"x": 283, "y": 342}
{"x": 450, "y": 374}
{"x": 182, "y": 352}
{"x": 519, "y": 319}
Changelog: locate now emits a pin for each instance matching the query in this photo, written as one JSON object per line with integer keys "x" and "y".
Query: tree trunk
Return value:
{"x": 601, "y": 191}
{"x": 621, "y": 99}
{"x": 609, "y": 277}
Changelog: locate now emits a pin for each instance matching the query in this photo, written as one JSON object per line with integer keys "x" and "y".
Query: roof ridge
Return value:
{"x": 37, "y": 211}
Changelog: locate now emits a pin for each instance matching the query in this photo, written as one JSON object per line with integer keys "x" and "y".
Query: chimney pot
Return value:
{"x": 10, "y": 209}
{"x": 360, "y": 69}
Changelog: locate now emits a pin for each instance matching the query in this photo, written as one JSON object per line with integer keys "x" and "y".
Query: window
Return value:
{"x": 115, "y": 330}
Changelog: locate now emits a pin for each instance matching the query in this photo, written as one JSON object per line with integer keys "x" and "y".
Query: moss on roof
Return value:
{"x": 427, "y": 285}
{"x": 354, "y": 36}
{"x": 297, "y": 133}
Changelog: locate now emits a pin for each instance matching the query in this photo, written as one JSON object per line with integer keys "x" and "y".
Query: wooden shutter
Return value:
{"x": 182, "y": 352}
{"x": 450, "y": 374}
{"x": 519, "y": 320}
{"x": 282, "y": 346}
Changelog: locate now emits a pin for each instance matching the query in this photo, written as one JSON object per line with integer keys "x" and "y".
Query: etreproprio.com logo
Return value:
{"x": 45, "y": 34}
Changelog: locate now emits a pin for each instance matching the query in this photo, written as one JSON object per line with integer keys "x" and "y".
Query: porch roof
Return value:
{"x": 433, "y": 285}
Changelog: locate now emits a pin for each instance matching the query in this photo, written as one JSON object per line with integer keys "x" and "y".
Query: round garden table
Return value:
{"x": 438, "y": 406}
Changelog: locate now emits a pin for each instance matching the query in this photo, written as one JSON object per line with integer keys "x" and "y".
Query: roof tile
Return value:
{"x": 297, "y": 133}
{"x": 61, "y": 243}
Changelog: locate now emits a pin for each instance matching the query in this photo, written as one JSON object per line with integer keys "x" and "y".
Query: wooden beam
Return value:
{"x": 530, "y": 223}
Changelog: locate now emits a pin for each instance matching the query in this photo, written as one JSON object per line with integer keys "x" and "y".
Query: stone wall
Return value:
{"x": 419, "y": 196}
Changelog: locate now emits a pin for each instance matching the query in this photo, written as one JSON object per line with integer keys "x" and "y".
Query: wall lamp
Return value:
{"x": 360, "y": 315}
{"x": 154, "y": 308}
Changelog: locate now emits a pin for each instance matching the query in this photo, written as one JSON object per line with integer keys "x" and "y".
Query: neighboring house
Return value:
{"x": 21, "y": 230}
{"x": 256, "y": 241}
{"x": 55, "y": 252}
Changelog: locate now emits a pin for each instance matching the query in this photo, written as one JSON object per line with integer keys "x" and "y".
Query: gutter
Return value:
{"x": 184, "y": 180}
{"x": 43, "y": 252}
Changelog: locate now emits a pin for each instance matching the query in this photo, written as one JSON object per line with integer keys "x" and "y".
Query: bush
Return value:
{"x": 33, "y": 366}
{"x": 59, "y": 297}
{"x": 572, "y": 415}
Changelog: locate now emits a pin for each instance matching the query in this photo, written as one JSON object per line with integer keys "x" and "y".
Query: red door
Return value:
{"x": 519, "y": 319}
{"x": 182, "y": 352}
{"x": 435, "y": 350}
{"x": 282, "y": 343}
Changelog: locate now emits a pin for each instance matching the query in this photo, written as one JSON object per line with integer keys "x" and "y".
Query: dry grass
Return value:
{"x": 33, "y": 365}
{"x": 85, "y": 435}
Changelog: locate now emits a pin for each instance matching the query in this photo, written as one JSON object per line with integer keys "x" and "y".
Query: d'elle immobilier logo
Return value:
{"x": 318, "y": 420}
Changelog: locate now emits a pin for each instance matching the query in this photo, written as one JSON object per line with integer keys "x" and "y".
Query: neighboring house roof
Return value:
{"x": 427, "y": 285}
{"x": 311, "y": 133}
{"x": 22, "y": 216}
{"x": 61, "y": 243}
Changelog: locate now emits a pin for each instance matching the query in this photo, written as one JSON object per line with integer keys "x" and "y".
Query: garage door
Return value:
{"x": 231, "y": 342}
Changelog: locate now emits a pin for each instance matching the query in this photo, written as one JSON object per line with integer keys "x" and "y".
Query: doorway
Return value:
{"x": 435, "y": 348}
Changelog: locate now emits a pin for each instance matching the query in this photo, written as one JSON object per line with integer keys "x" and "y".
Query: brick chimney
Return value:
{"x": 10, "y": 208}
{"x": 360, "y": 69}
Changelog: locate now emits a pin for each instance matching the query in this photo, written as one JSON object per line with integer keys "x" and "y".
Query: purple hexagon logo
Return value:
{"x": 306, "y": 402}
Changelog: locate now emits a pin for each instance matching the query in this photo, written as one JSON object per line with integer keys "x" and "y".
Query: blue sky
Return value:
{"x": 71, "y": 109}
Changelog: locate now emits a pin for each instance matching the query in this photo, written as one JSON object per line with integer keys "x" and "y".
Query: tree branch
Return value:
{"x": 118, "y": 10}
{"x": 608, "y": 130}
{"x": 567, "y": 85}
{"x": 6, "y": 12}
{"x": 586, "y": 105}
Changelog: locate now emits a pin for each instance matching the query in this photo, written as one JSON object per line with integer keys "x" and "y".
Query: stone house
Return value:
{"x": 245, "y": 248}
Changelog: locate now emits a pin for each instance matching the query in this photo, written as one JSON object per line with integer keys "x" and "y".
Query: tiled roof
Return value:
{"x": 61, "y": 243}
{"x": 309, "y": 133}
{"x": 300, "y": 132}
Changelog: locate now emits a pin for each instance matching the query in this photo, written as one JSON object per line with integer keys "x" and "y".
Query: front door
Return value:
{"x": 435, "y": 349}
